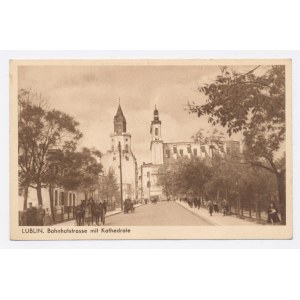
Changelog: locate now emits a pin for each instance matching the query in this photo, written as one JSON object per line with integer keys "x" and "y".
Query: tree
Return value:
{"x": 110, "y": 187}
{"x": 186, "y": 177}
{"x": 81, "y": 170}
{"x": 41, "y": 130}
{"x": 254, "y": 105}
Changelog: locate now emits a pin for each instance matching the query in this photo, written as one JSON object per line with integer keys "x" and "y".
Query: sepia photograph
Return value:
{"x": 150, "y": 149}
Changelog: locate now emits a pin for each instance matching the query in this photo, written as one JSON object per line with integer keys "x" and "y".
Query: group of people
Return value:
{"x": 216, "y": 207}
{"x": 36, "y": 216}
{"x": 212, "y": 206}
{"x": 90, "y": 211}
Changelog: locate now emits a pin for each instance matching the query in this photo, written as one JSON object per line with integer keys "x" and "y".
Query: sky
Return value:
{"x": 91, "y": 95}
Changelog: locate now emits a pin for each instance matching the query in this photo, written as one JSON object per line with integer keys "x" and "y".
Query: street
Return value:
{"x": 160, "y": 214}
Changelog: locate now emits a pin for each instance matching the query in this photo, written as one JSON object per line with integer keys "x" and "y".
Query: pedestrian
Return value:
{"x": 198, "y": 202}
{"x": 88, "y": 212}
{"x": 210, "y": 207}
{"x": 225, "y": 207}
{"x": 31, "y": 215}
{"x": 40, "y": 215}
{"x": 103, "y": 211}
{"x": 195, "y": 202}
{"x": 273, "y": 217}
{"x": 216, "y": 207}
{"x": 48, "y": 218}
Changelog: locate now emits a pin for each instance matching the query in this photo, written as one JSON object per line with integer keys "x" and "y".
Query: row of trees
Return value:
{"x": 218, "y": 177}
{"x": 252, "y": 103}
{"x": 246, "y": 103}
{"x": 48, "y": 155}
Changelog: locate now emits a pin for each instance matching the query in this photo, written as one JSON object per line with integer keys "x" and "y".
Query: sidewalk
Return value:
{"x": 217, "y": 219}
{"x": 108, "y": 214}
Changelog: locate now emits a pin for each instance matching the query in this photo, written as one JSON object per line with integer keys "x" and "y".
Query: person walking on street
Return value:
{"x": 225, "y": 207}
{"x": 48, "y": 218}
{"x": 40, "y": 215}
{"x": 273, "y": 217}
{"x": 31, "y": 214}
{"x": 198, "y": 202}
{"x": 216, "y": 206}
{"x": 210, "y": 207}
{"x": 103, "y": 212}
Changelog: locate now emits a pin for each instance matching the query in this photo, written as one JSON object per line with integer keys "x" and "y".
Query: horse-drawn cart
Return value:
{"x": 128, "y": 206}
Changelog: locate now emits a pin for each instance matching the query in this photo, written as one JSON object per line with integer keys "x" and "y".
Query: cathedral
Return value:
{"x": 120, "y": 150}
{"x": 163, "y": 153}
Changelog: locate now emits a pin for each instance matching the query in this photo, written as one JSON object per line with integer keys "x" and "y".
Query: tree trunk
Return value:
{"x": 39, "y": 193}
{"x": 51, "y": 202}
{"x": 25, "y": 197}
{"x": 280, "y": 176}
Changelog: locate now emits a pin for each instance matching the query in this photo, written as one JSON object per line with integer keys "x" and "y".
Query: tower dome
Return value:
{"x": 155, "y": 114}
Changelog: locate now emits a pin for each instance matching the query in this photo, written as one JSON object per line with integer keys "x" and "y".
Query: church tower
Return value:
{"x": 156, "y": 146}
{"x": 120, "y": 134}
{"x": 119, "y": 121}
{"x": 121, "y": 152}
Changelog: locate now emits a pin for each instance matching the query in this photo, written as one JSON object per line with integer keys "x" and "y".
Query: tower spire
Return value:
{"x": 119, "y": 121}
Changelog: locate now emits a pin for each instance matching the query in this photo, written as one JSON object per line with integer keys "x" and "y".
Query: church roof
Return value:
{"x": 120, "y": 116}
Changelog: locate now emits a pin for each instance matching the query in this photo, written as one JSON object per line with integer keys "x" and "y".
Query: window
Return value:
{"x": 174, "y": 149}
{"x": 148, "y": 174}
{"x": 168, "y": 154}
{"x": 126, "y": 148}
{"x": 156, "y": 131}
{"x": 70, "y": 199}
{"x": 55, "y": 198}
{"x": 228, "y": 150}
{"x": 62, "y": 198}
{"x": 189, "y": 150}
{"x": 148, "y": 184}
{"x": 114, "y": 158}
{"x": 181, "y": 152}
{"x": 195, "y": 152}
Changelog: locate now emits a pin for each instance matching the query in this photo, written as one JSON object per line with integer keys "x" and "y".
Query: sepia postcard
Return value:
{"x": 150, "y": 149}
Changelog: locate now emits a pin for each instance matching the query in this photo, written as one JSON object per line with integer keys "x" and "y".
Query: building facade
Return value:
{"x": 120, "y": 153}
{"x": 164, "y": 153}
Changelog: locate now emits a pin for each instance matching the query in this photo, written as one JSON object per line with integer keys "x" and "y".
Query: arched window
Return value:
{"x": 70, "y": 199}
{"x": 62, "y": 198}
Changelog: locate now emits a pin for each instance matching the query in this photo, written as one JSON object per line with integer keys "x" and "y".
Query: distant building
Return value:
{"x": 163, "y": 153}
{"x": 121, "y": 138}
